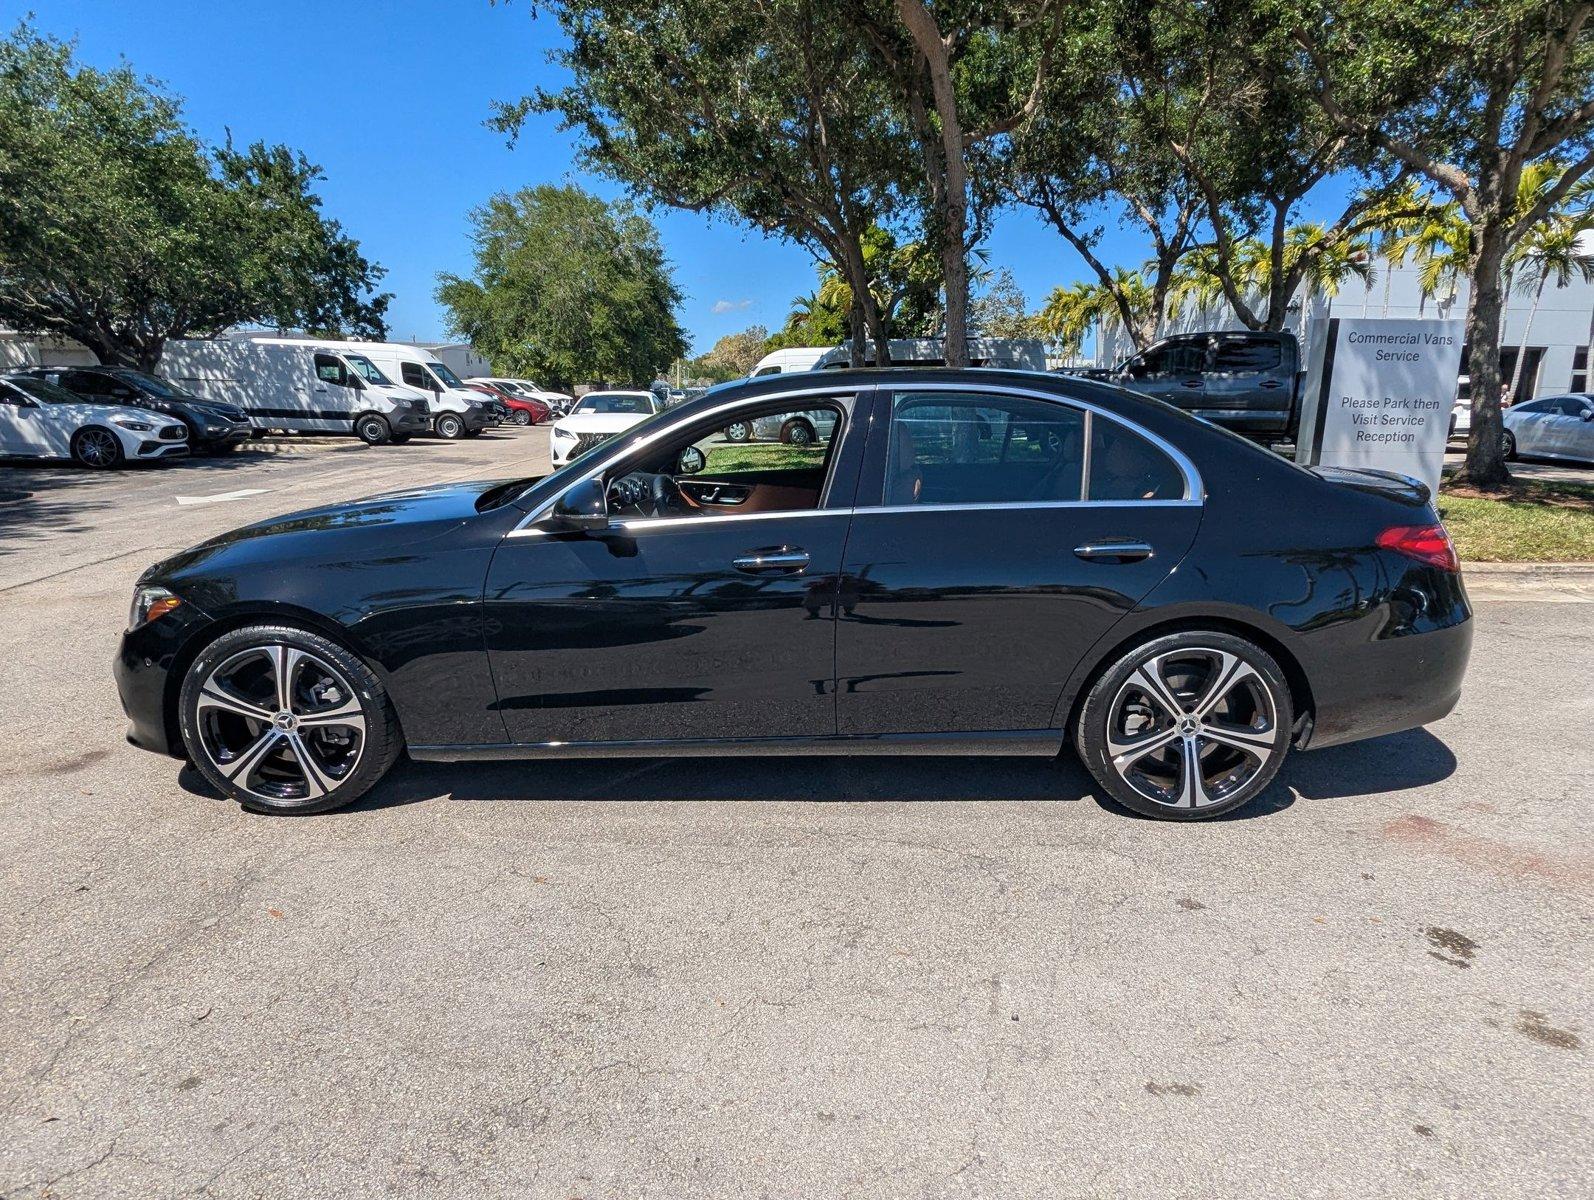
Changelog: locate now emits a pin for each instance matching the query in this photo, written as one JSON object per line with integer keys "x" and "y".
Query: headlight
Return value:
{"x": 130, "y": 423}
{"x": 563, "y": 433}
{"x": 150, "y": 602}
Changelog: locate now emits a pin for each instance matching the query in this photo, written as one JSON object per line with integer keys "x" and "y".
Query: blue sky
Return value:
{"x": 389, "y": 96}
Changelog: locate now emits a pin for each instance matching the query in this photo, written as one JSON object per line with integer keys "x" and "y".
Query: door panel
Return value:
{"x": 653, "y": 632}
{"x": 971, "y": 620}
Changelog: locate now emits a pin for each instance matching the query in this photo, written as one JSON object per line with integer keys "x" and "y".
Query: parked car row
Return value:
{"x": 212, "y": 396}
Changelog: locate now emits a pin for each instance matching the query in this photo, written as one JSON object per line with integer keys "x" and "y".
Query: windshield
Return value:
{"x": 45, "y": 391}
{"x": 448, "y": 377}
{"x": 361, "y": 365}
{"x": 155, "y": 385}
{"x": 599, "y": 402}
{"x": 510, "y": 386}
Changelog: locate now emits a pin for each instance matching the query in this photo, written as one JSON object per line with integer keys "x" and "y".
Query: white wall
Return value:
{"x": 22, "y": 350}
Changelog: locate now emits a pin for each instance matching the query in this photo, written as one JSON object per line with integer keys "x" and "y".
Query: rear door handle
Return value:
{"x": 776, "y": 560}
{"x": 1193, "y": 383}
{"x": 1271, "y": 383}
{"x": 1114, "y": 551}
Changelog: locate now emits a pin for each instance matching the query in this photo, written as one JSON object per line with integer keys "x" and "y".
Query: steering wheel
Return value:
{"x": 653, "y": 495}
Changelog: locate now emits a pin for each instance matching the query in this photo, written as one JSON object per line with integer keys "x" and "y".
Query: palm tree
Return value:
{"x": 1329, "y": 265}
{"x": 1556, "y": 248}
{"x": 1070, "y": 313}
{"x": 1196, "y": 284}
{"x": 1441, "y": 246}
{"x": 1395, "y": 219}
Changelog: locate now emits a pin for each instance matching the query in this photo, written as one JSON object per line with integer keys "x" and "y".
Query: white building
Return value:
{"x": 1558, "y": 330}
{"x": 460, "y": 357}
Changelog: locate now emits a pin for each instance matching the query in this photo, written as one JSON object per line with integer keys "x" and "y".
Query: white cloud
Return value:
{"x": 725, "y": 306}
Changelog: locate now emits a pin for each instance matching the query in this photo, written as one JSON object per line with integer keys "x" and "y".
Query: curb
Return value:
{"x": 1565, "y": 582}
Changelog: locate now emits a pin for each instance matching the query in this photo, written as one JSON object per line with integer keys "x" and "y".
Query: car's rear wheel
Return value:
{"x": 1508, "y": 445}
{"x": 520, "y": 417}
{"x": 96, "y": 448}
{"x": 1187, "y": 726}
{"x": 797, "y": 433}
{"x": 450, "y": 426}
{"x": 373, "y": 429}
{"x": 286, "y": 721}
{"x": 738, "y": 431}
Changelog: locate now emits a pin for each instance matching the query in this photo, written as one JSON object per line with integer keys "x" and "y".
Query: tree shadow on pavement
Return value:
{"x": 50, "y": 501}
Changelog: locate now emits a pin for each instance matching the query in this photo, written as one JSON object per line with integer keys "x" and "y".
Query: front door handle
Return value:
{"x": 1193, "y": 383}
{"x": 1114, "y": 551}
{"x": 775, "y": 560}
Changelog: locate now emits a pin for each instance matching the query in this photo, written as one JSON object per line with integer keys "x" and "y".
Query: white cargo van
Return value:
{"x": 308, "y": 388}
{"x": 456, "y": 410}
{"x": 792, "y": 358}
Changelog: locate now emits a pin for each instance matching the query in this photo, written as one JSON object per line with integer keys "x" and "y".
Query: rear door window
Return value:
{"x": 971, "y": 448}
{"x": 1125, "y": 466}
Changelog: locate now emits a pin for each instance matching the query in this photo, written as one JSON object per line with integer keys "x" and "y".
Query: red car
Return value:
{"x": 523, "y": 410}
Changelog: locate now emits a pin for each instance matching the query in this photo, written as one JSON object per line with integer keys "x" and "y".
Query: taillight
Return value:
{"x": 1426, "y": 543}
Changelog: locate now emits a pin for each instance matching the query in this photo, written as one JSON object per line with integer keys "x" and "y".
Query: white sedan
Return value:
{"x": 597, "y": 417}
{"x": 41, "y": 420}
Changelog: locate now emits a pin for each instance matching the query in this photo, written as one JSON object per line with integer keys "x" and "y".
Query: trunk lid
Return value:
{"x": 1389, "y": 484}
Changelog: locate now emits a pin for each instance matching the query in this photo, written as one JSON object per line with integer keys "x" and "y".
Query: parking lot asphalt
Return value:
{"x": 784, "y": 978}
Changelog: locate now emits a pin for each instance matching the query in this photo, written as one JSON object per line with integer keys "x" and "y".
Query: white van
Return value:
{"x": 303, "y": 388}
{"x": 792, "y": 358}
{"x": 456, "y": 410}
{"x": 1012, "y": 354}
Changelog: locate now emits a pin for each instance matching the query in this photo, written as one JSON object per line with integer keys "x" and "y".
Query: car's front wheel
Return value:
{"x": 96, "y": 448}
{"x": 1187, "y": 726}
{"x": 520, "y": 417}
{"x": 738, "y": 431}
{"x": 449, "y": 426}
{"x": 373, "y": 429}
{"x": 286, "y": 721}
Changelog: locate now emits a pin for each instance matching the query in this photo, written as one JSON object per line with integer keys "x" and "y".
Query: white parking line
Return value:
{"x": 222, "y": 497}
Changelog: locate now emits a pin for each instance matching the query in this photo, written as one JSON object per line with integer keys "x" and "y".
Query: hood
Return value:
{"x": 88, "y": 411}
{"x": 373, "y": 526}
{"x": 599, "y": 422}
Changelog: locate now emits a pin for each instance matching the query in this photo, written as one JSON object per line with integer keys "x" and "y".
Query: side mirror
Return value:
{"x": 1588, "y": 414}
{"x": 583, "y": 506}
{"x": 692, "y": 461}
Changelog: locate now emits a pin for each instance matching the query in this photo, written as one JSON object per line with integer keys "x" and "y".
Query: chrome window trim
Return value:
{"x": 1194, "y": 492}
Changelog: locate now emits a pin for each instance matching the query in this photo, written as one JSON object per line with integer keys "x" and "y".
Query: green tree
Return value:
{"x": 1000, "y": 310}
{"x": 568, "y": 287}
{"x": 764, "y": 112}
{"x": 966, "y": 74}
{"x": 733, "y": 356}
{"x": 1071, "y": 313}
{"x": 120, "y": 229}
{"x": 1467, "y": 96}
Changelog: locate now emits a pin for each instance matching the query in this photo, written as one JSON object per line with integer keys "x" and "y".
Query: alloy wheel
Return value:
{"x": 1191, "y": 727}
{"x": 97, "y": 448}
{"x": 522, "y": 417}
{"x": 281, "y": 724}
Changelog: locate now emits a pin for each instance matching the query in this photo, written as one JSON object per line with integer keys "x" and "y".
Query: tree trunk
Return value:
{"x": 1485, "y": 465}
{"x": 857, "y": 354}
{"x": 952, "y": 217}
{"x": 878, "y": 333}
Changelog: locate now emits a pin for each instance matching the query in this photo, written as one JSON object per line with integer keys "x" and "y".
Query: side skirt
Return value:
{"x": 1042, "y": 742}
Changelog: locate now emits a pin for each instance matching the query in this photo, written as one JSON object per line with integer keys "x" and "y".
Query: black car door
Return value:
{"x": 713, "y": 624}
{"x": 997, "y": 537}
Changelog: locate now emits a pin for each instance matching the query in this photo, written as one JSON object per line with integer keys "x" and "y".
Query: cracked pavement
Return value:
{"x": 782, "y": 978}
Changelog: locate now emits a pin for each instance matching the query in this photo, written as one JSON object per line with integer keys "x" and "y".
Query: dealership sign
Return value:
{"x": 1378, "y": 394}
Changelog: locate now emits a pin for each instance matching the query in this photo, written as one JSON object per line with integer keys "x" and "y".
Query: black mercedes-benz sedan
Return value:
{"x": 966, "y": 562}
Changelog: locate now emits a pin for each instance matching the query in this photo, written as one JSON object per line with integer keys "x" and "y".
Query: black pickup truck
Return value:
{"x": 1245, "y": 381}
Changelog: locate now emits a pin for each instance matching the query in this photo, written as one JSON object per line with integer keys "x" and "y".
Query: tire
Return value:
{"x": 473, "y": 433}
{"x": 1508, "y": 445}
{"x": 373, "y": 429}
{"x": 236, "y": 730}
{"x": 520, "y": 417}
{"x": 450, "y": 426}
{"x": 97, "y": 448}
{"x": 398, "y": 439}
{"x": 797, "y": 433}
{"x": 738, "y": 431}
{"x": 1256, "y": 717}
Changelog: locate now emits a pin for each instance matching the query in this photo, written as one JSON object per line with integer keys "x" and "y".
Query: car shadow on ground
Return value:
{"x": 1405, "y": 760}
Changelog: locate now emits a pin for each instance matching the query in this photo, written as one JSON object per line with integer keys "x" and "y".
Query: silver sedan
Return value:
{"x": 1551, "y": 427}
